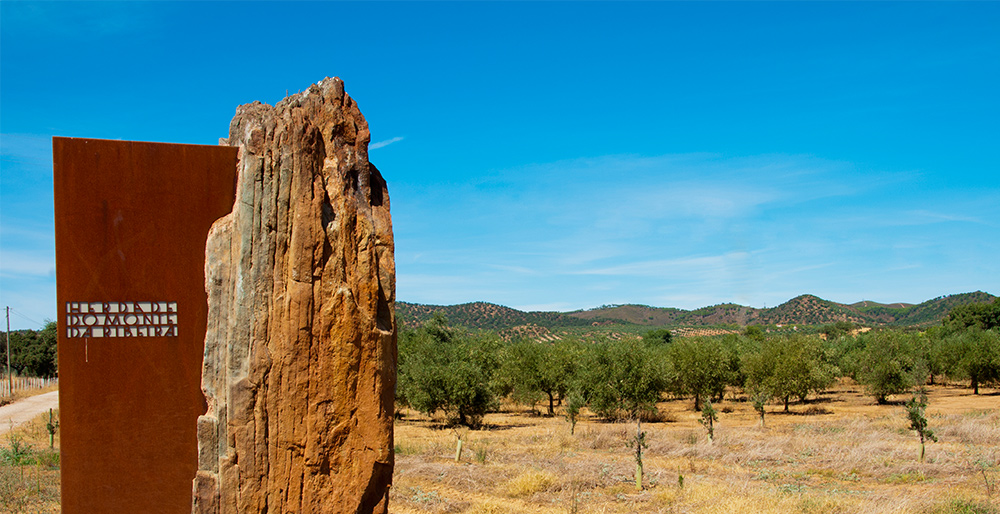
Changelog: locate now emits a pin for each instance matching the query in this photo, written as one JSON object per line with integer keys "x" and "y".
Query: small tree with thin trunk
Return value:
{"x": 915, "y": 408}
{"x": 708, "y": 418}
{"x": 639, "y": 443}
{"x": 758, "y": 398}
{"x": 574, "y": 403}
{"x": 459, "y": 442}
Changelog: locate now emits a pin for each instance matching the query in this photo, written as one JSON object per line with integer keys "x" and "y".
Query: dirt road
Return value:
{"x": 25, "y": 410}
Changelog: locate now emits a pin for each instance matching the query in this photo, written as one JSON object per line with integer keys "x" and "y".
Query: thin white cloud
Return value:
{"x": 670, "y": 267}
{"x": 627, "y": 192}
{"x": 923, "y": 216}
{"x": 33, "y": 233}
{"x": 382, "y": 144}
{"x": 951, "y": 210}
{"x": 27, "y": 149}
{"x": 27, "y": 264}
{"x": 685, "y": 230}
{"x": 521, "y": 270}
{"x": 779, "y": 273}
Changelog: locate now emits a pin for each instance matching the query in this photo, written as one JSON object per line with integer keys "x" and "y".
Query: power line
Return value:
{"x": 36, "y": 322}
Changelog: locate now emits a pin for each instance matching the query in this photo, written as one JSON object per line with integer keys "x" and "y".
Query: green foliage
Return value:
{"x": 754, "y": 332}
{"x": 845, "y": 353}
{"x": 759, "y": 395}
{"x": 622, "y": 379}
{"x": 983, "y": 316}
{"x": 708, "y": 418}
{"x": 520, "y": 371}
{"x": 17, "y": 452}
{"x": 837, "y": 330}
{"x": 638, "y": 441}
{"x": 889, "y": 364}
{"x": 933, "y": 349}
{"x": 733, "y": 347}
{"x": 915, "y": 408}
{"x": 444, "y": 369}
{"x": 463, "y": 374}
{"x": 932, "y": 311}
{"x": 33, "y": 353}
{"x": 806, "y": 309}
{"x": 657, "y": 336}
{"x": 788, "y": 367}
{"x": 973, "y": 355}
{"x": 698, "y": 367}
{"x": 574, "y": 402}
{"x": 530, "y": 370}
{"x": 51, "y": 427}
{"x": 802, "y": 311}
{"x": 483, "y": 316}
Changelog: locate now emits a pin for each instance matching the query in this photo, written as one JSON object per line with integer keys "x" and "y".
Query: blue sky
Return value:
{"x": 563, "y": 155}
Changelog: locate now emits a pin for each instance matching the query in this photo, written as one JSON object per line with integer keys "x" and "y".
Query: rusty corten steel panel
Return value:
{"x": 131, "y": 222}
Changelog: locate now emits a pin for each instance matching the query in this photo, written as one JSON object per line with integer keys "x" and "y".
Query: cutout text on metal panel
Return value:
{"x": 121, "y": 319}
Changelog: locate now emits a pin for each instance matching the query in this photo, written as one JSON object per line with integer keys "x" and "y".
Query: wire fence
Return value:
{"x": 24, "y": 384}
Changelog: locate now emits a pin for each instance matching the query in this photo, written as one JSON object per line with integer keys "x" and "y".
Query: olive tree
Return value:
{"x": 531, "y": 370}
{"x": 448, "y": 370}
{"x": 975, "y": 356}
{"x": 623, "y": 378}
{"x": 889, "y": 364}
{"x": 787, "y": 367}
{"x": 697, "y": 367}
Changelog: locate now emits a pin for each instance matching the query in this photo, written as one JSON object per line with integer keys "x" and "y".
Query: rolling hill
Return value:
{"x": 801, "y": 310}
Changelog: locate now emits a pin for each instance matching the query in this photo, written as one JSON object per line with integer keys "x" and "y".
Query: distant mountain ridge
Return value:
{"x": 801, "y": 310}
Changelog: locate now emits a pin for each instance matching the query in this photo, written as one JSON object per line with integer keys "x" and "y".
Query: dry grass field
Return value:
{"x": 29, "y": 470}
{"x": 838, "y": 453}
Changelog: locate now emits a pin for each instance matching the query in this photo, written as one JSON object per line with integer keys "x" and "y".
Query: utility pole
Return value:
{"x": 10, "y": 378}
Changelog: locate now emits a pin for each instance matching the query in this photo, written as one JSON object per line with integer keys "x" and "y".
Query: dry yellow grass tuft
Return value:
{"x": 530, "y": 482}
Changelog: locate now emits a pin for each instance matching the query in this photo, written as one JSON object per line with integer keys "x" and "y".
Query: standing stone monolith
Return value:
{"x": 300, "y": 352}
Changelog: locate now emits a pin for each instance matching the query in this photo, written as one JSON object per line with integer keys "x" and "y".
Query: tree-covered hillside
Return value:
{"x": 801, "y": 310}
{"x": 482, "y": 315}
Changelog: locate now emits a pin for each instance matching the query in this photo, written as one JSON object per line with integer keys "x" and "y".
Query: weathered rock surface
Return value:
{"x": 300, "y": 353}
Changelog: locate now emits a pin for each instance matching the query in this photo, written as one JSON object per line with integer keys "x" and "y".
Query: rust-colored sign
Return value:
{"x": 131, "y": 223}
